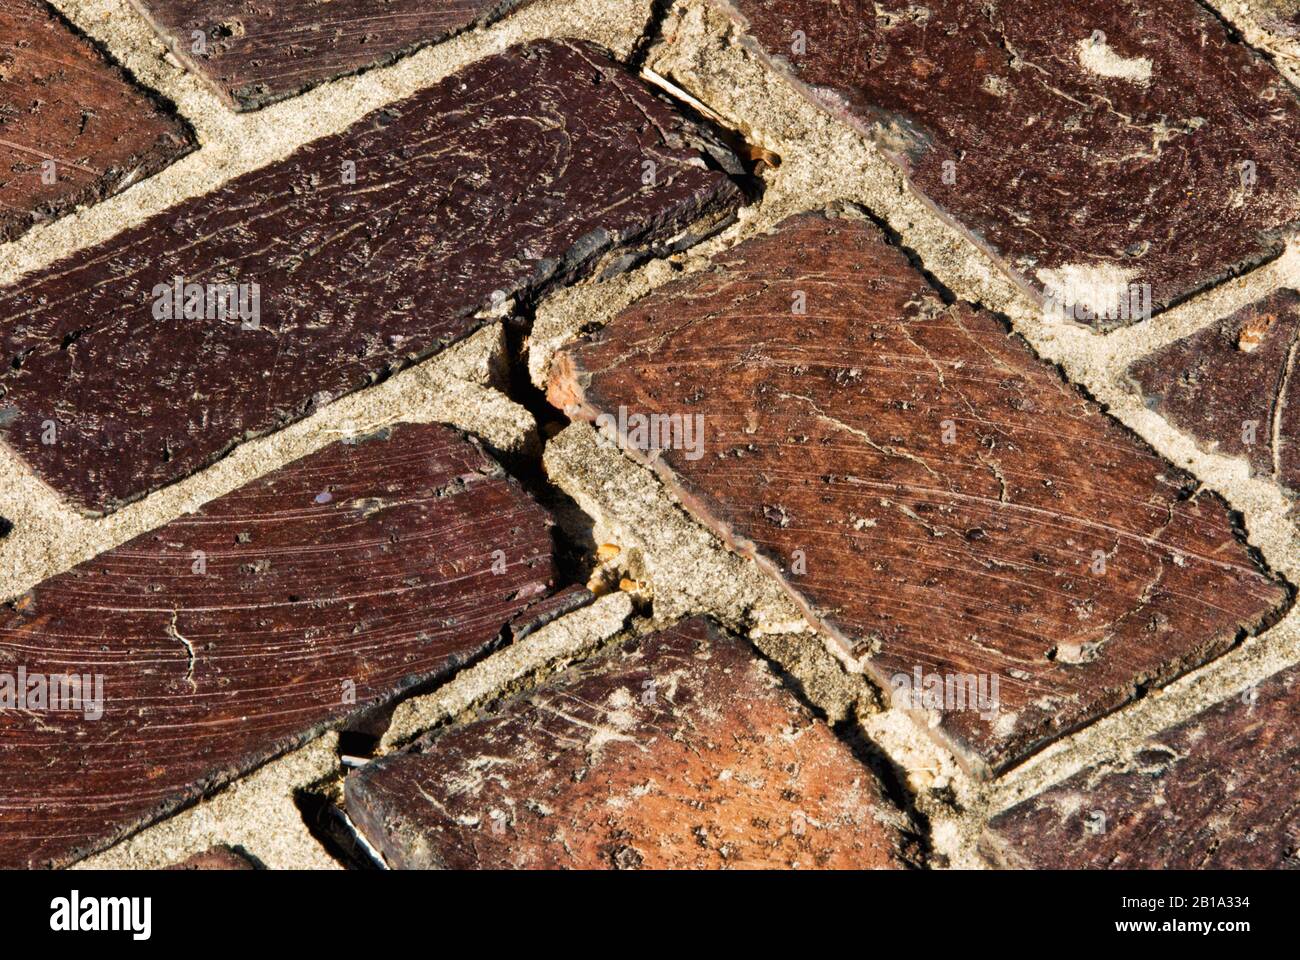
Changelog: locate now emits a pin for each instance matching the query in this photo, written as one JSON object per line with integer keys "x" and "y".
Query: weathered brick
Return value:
{"x": 1231, "y": 386}
{"x": 516, "y": 174}
{"x": 61, "y": 101}
{"x": 676, "y": 750}
{"x": 1221, "y": 791}
{"x": 937, "y": 497}
{"x": 296, "y": 603}
{"x": 215, "y": 858}
{"x": 1089, "y": 146}
{"x": 254, "y": 54}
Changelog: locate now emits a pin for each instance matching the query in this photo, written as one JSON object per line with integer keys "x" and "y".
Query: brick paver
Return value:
{"x": 934, "y": 494}
{"x": 295, "y": 603}
{"x": 517, "y": 174}
{"x": 73, "y": 128}
{"x": 216, "y": 858}
{"x": 1093, "y": 147}
{"x": 256, "y": 53}
{"x": 676, "y": 750}
{"x": 1004, "y": 560}
{"x": 1219, "y": 791}
{"x": 1231, "y": 386}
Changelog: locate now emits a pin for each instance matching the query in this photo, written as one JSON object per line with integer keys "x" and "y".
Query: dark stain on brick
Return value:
{"x": 676, "y": 750}
{"x": 938, "y": 498}
{"x": 62, "y": 101}
{"x": 1221, "y": 791}
{"x": 241, "y": 631}
{"x": 517, "y": 174}
{"x": 255, "y": 53}
{"x": 1088, "y": 146}
{"x": 1232, "y": 386}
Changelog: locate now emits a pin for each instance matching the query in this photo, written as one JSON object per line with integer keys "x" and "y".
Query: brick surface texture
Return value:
{"x": 677, "y": 750}
{"x": 958, "y": 507}
{"x": 256, "y": 53}
{"x": 73, "y": 128}
{"x": 872, "y": 437}
{"x": 1216, "y": 792}
{"x": 1088, "y": 146}
{"x": 512, "y": 176}
{"x": 228, "y": 636}
{"x": 1231, "y": 386}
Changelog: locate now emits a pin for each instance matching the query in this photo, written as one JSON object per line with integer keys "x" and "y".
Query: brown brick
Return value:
{"x": 676, "y": 750}
{"x": 216, "y": 858}
{"x": 61, "y": 101}
{"x": 514, "y": 175}
{"x": 1221, "y": 791}
{"x": 937, "y": 497}
{"x": 1087, "y": 145}
{"x": 1231, "y": 386}
{"x": 294, "y": 604}
{"x": 255, "y": 54}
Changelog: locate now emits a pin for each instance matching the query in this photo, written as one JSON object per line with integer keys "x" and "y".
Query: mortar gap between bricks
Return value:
{"x": 1122, "y": 733}
{"x": 660, "y": 10}
{"x": 328, "y": 823}
{"x": 147, "y": 90}
{"x": 843, "y": 719}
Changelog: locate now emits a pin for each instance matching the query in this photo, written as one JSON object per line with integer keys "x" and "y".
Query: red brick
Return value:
{"x": 998, "y": 118}
{"x": 254, "y": 54}
{"x": 1221, "y": 791}
{"x": 1231, "y": 386}
{"x": 936, "y": 496}
{"x": 517, "y": 174}
{"x": 61, "y": 101}
{"x": 676, "y": 750}
{"x": 297, "y": 603}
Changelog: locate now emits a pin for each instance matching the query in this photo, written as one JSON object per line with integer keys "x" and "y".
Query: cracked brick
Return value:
{"x": 73, "y": 128}
{"x": 521, "y": 172}
{"x": 676, "y": 750}
{"x": 1221, "y": 791}
{"x": 938, "y": 499}
{"x": 302, "y": 601}
{"x": 1092, "y": 148}
{"x": 253, "y": 54}
{"x": 1231, "y": 386}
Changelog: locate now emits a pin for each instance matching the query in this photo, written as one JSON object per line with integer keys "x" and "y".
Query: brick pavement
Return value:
{"x": 872, "y": 442}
